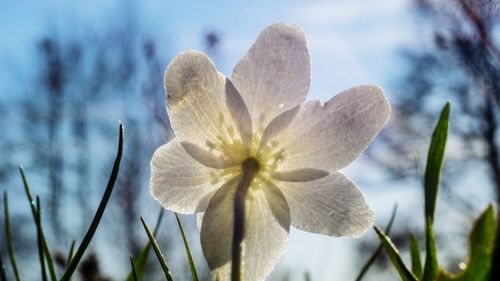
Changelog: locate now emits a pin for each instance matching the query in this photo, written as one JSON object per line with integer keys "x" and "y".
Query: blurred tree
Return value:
{"x": 462, "y": 64}
{"x": 84, "y": 82}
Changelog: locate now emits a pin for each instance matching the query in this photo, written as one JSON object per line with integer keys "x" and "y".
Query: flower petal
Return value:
{"x": 332, "y": 205}
{"x": 199, "y": 220}
{"x": 179, "y": 182}
{"x": 300, "y": 175}
{"x": 330, "y": 136}
{"x": 275, "y": 74}
{"x": 266, "y": 231}
{"x": 203, "y": 108}
{"x": 207, "y": 158}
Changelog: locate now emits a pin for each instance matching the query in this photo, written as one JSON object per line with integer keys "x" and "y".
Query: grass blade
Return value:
{"x": 3, "y": 275}
{"x": 134, "y": 272}
{"x": 307, "y": 276}
{"x": 495, "y": 270}
{"x": 396, "y": 260}
{"x": 431, "y": 267}
{"x": 34, "y": 211}
{"x": 435, "y": 159}
{"x": 70, "y": 254}
{"x": 8, "y": 236}
{"x": 141, "y": 261}
{"x": 99, "y": 213}
{"x": 375, "y": 254}
{"x": 481, "y": 244}
{"x": 194, "y": 274}
{"x": 38, "y": 221}
{"x": 416, "y": 261}
{"x": 161, "y": 259}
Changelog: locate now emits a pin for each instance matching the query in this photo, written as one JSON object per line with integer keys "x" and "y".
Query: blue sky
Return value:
{"x": 351, "y": 43}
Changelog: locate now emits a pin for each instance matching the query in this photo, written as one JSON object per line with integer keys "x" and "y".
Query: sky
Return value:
{"x": 351, "y": 43}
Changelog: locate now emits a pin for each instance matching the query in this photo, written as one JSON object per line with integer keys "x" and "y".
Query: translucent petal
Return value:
{"x": 267, "y": 225}
{"x": 179, "y": 182}
{"x": 275, "y": 74}
{"x": 204, "y": 108}
{"x": 332, "y": 205}
{"x": 300, "y": 175}
{"x": 330, "y": 136}
{"x": 199, "y": 220}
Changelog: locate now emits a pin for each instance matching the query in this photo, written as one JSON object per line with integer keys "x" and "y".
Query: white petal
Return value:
{"x": 239, "y": 111}
{"x": 203, "y": 106}
{"x": 266, "y": 232}
{"x": 275, "y": 74}
{"x": 330, "y": 136}
{"x": 332, "y": 205}
{"x": 207, "y": 158}
{"x": 179, "y": 182}
{"x": 300, "y": 175}
{"x": 277, "y": 125}
{"x": 199, "y": 220}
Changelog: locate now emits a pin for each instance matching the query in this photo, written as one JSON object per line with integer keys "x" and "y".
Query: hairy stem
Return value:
{"x": 250, "y": 168}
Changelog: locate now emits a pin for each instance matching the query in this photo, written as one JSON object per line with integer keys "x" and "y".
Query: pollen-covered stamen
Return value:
{"x": 228, "y": 141}
{"x": 271, "y": 156}
{"x": 249, "y": 170}
{"x": 223, "y": 175}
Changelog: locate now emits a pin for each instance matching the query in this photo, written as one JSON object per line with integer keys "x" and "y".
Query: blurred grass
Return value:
{"x": 159, "y": 255}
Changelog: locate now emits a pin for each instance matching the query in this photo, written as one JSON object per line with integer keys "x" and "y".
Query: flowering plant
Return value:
{"x": 252, "y": 157}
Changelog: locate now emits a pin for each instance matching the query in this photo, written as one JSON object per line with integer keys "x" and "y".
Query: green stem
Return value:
{"x": 34, "y": 211}
{"x": 194, "y": 274}
{"x": 375, "y": 254}
{"x": 134, "y": 271}
{"x": 40, "y": 239}
{"x": 250, "y": 168}
{"x": 8, "y": 236}
{"x": 99, "y": 213}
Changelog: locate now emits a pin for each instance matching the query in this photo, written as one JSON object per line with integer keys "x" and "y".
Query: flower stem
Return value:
{"x": 250, "y": 168}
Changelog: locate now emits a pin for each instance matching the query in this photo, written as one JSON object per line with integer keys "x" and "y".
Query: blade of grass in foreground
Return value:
{"x": 8, "y": 236}
{"x": 495, "y": 270}
{"x": 194, "y": 274}
{"x": 416, "y": 261}
{"x": 134, "y": 272}
{"x": 435, "y": 159}
{"x": 70, "y": 254}
{"x": 481, "y": 242}
{"x": 99, "y": 213}
{"x": 396, "y": 260}
{"x": 161, "y": 259}
{"x": 38, "y": 221}
{"x": 34, "y": 211}
{"x": 375, "y": 254}
{"x": 141, "y": 261}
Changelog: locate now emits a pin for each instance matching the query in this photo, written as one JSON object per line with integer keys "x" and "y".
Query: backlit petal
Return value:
{"x": 201, "y": 111}
{"x": 267, "y": 225}
{"x": 300, "y": 175}
{"x": 199, "y": 220}
{"x": 332, "y": 205}
{"x": 275, "y": 74}
{"x": 179, "y": 182}
{"x": 330, "y": 136}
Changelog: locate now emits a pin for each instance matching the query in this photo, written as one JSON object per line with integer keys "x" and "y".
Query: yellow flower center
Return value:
{"x": 264, "y": 158}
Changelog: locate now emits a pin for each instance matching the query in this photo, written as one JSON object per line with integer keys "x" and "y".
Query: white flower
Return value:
{"x": 257, "y": 128}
